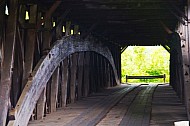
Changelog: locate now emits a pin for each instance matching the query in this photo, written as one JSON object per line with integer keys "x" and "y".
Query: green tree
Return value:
{"x": 145, "y": 60}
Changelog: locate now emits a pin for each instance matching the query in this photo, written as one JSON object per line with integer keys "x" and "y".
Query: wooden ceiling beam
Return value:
{"x": 122, "y": 21}
{"x": 100, "y": 2}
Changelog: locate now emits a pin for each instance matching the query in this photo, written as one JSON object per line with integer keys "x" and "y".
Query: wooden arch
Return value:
{"x": 45, "y": 68}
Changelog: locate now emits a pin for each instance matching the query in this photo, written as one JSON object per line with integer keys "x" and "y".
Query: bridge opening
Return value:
{"x": 145, "y": 61}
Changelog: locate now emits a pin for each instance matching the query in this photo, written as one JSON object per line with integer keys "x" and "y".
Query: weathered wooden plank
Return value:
{"x": 69, "y": 80}
{"x": 46, "y": 39}
{"x": 59, "y": 90}
{"x": 76, "y": 29}
{"x": 115, "y": 115}
{"x": 74, "y": 59}
{"x": 100, "y": 71}
{"x": 185, "y": 59}
{"x": 29, "y": 54}
{"x": 2, "y": 22}
{"x": 46, "y": 42}
{"x": 58, "y": 31}
{"x": 86, "y": 74}
{"x": 73, "y": 110}
{"x": 48, "y": 97}
{"x": 91, "y": 68}
{"x": 108, "y": 75}
{"x": 179, "y": 64}
{"x": 101, "y": 78}
{"x": 15, "y": 87}
{"x": 17, "y": 75}
{"x": 47, "y": 65}
{"x": 134, "y": 115}
{"x": 119, "y": 63}
{"x": 68, "y": 28}
{"x": 64, "y": 82}
{"x": 94, "y": 114}
{"x": 111, "y": 77}
{"x": 7, "y": 63}
{"x": 105, "y": 73}
{"x": 97, "y": 62}
{"x": 146, "y": 77}
{"x": 167, "y": 107}
{"x": 41, "y": 105}
{"x": 22, "y": 14}
{"x": 80, "y": 73}
{"x": 21, "y": 43}
{"x": 54, "y": 89}
{"x": 186, "y": 65}
{"x": 70, "y": 87}
{"x": 29, "y": 46}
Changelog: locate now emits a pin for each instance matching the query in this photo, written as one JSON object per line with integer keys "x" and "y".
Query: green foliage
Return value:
{"x": 145, "y": 60}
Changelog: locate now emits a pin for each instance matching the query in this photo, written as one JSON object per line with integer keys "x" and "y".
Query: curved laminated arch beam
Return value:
{"x": 45, "y": 68}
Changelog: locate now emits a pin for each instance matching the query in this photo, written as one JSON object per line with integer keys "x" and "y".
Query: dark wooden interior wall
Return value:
{"x": 176, "y": 65}
{"x": 25, "y": 42}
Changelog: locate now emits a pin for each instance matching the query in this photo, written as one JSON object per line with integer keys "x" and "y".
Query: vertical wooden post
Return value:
{"x": 101, "y": 72}
{"x": 30, "y": 45}
{"x": 17, "y": 73}
{"x": 119, "y": 64}
{"x": 46, "y": 45}
{"x": 113, "y": 80}
{"x": 80, "y": 73}
{"x": 97, "y": 72}
{"x": 92, "y": 70}
{"x": 47, "y": 35}
{"x": 54, "y": 90}
{"x": 76, "y": 29}
{"x": 68, "y": 28}
{"x": 105, "y": 74}
{"x": 86, "y": 74}
{"x": 7, "y": 63}
{"x": 111, "y": 77}
{"x": 108, "y": 75}
{"x": 65, "y": 65}
{"x": 70, "y": 82}
{"x": 60, "y": 77}
{"x": 164, "y": 78}
{"x": 58, "y": 30}
{"x": 74, "y": 59}
{"x": 2, "y": 22}
{"x": 64, "y": 82}
{"x": 41, "y": 105}
{"x": 186, "y": 64}
{"x": 126, "y": 78}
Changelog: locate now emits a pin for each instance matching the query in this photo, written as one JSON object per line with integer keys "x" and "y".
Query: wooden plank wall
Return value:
{"x": 26, "y": 42}
{"x": 8, "y": 60}
{"x": 176, "y": 69}
{"x": 180, "y": 63}
{"x": 183, "y": 31}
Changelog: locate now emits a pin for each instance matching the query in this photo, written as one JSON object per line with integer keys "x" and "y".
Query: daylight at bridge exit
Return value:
{"x": 94, "y": 62}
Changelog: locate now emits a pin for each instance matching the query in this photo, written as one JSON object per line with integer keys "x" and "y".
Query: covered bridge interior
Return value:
{"x": 55, "y": 52}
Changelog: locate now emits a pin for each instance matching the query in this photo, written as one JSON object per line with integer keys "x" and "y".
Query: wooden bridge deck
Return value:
{"x": 166, "y": 107}
{"x": 130, "y": 105}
